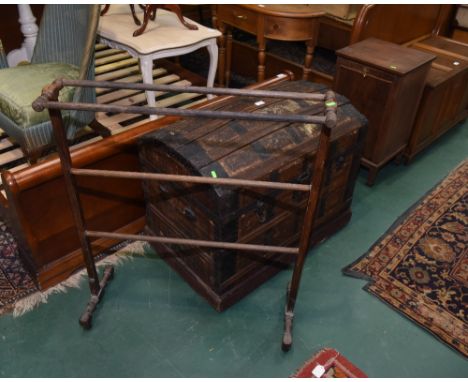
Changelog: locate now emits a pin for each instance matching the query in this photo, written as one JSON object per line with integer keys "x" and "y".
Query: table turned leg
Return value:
{"x": 308, "y": 60}
{"x": 310, "y": 48}
{"x": 222, "y": 54}
{"x": 212, "y": 48}
{"x": 146, "y": 67}
{"x": 261, "y": 59}
{"x": 228, "y": 55}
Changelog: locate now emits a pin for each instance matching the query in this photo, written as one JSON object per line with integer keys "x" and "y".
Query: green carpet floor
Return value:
{"x": 151, "y": 324}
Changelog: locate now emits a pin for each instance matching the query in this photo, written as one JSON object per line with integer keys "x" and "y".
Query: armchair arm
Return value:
{"x": 3, "y": 58}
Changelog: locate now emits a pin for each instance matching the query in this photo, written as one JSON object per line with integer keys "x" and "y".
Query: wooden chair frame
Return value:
{"x": 49, "y": 100}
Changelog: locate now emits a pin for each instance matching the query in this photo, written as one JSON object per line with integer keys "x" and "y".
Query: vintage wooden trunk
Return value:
{"x": 246, "y": 150}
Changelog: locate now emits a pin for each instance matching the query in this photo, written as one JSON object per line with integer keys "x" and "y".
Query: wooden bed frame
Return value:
{"x": 401, "y": 23}
{"x": 37, "y": 208}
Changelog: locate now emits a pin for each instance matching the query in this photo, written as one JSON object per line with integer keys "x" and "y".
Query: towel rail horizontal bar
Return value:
{"x": 191, "y": 179}
{"x": 199, "y": 243}
{"x": 41, "y": 103}
{"x": 196, "y": 89}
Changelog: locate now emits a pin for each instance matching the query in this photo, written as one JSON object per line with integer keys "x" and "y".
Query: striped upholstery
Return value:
{"x": 67, "y": 34}
{"x": 21, "y": 85}
{"x": 3, "y": 59}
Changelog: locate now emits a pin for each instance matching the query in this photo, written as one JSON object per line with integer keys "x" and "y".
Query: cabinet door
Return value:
{"x": 369, "y": 91}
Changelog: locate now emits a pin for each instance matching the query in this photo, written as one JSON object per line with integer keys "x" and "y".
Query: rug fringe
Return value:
{"x": 122, "y": 256}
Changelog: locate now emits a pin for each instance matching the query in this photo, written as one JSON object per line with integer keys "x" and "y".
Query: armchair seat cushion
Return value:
{"x": 21, "y": 85}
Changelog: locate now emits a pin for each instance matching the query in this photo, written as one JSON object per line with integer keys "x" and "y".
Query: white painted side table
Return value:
{"x": 164, "y": 37}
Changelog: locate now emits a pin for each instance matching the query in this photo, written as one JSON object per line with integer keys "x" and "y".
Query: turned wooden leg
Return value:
{"x": 228, "y": 56}
{"x": 212, "y": 48}
{"x": 222, "y": 55}
{"x": 135, "y": 18}
{"x": 146, "y": 16}
{"x": 214, "y": 16}
{"x": 308, "y": 60}
{"x": 310, "y": 47}
{"x": 174, "y": 8}
{"x": 105, "y": 9}
{"x": 146, "y": 67}
{"x": 261, "y": 60}
{"x": 153, "y": 11}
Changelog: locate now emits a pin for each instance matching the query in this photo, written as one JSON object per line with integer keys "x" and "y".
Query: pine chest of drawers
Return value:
{"x": 247, "y": 150}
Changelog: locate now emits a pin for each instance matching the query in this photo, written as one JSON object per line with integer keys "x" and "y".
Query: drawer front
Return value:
{"x": 290, "y": 29}
{"x": 367, "y": 71}
{"x": 370, "y": 91}
{"x": 239, "y": 17}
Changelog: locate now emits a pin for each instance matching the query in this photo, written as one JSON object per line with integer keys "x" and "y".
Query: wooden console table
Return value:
{"x": 272, "y": 21}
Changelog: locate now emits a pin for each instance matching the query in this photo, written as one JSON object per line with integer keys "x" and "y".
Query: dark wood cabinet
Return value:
{"x": 384, "y": 81}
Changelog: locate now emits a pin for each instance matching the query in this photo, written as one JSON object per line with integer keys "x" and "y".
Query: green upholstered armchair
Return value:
{"x": 64, "y": 49}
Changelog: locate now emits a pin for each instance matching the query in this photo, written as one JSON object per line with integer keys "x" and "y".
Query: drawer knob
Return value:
{"x": 364, "y": 72}
{"x": 241, "y": 17}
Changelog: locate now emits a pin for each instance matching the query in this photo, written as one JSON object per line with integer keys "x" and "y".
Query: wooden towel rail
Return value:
{"x": 49, "y": 100}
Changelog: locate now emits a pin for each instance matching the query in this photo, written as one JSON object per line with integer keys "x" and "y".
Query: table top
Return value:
{"x": 386, "y": 55}
{"x": 165, "y": 33}
{"x": 304, "y": 10}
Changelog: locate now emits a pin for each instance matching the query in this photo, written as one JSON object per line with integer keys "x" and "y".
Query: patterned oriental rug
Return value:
{"x": 328, "y": 363}
{"x": 420, "y": 266}
{"x": 15, "y": 282}
{"x": 18, "y": 292}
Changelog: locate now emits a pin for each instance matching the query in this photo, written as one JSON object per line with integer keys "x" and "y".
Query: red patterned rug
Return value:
{"x": 420, "y": 266}
{"x": 328, "y": 363}
{"x": 15, "y": 282}
{"x": 18, "y": 292}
